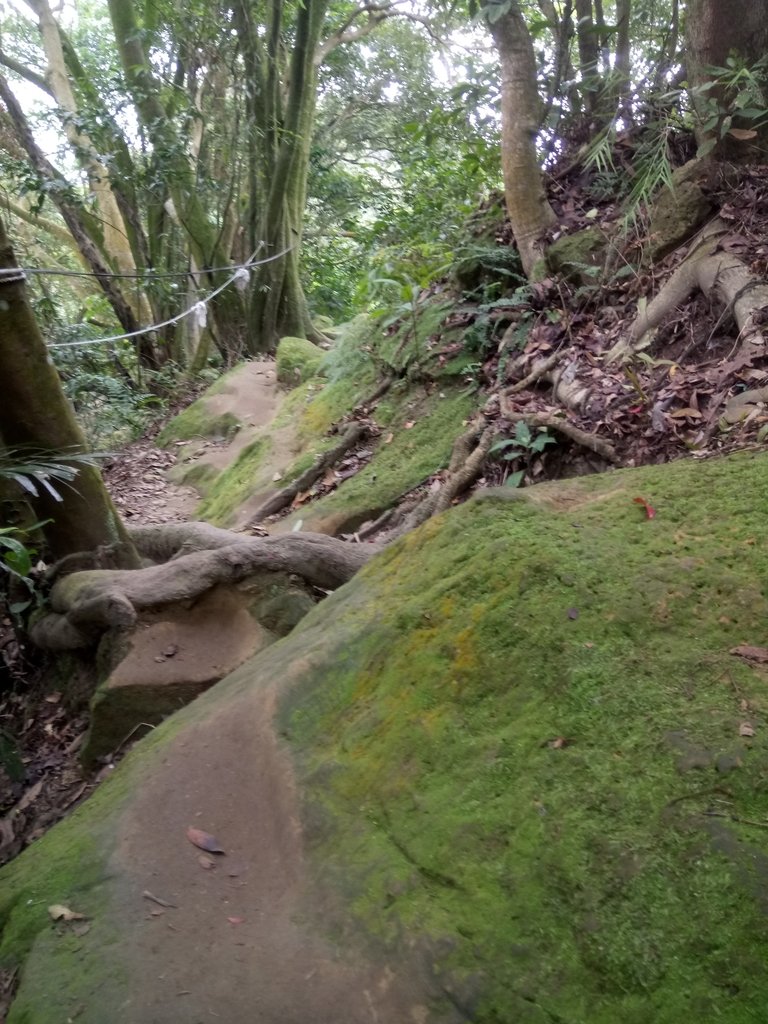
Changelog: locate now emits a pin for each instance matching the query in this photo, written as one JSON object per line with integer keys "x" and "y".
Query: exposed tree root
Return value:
{"x": 741, "y": 405}
{"x": 539, "y": 370}
{"x": 466, "y": 465}
{"x": 581, "y": 437}
{"x": 714, "y": 272}
{"x": 355, "y": 432}
{"x": 86, "y": 604}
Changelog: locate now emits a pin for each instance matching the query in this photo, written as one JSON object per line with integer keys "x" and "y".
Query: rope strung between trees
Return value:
{"x": 239, "y": 278}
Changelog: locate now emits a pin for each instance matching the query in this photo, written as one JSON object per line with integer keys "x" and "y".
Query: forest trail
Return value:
{"x": 138, "y": 478}
{"x": 237, "y": 944}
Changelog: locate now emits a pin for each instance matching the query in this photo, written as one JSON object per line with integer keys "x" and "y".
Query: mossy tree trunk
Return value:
{"x": 281, "y": 125}
{"x": 35, "y": 412}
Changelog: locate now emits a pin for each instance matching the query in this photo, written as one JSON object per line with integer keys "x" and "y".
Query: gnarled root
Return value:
{"x": 86, "y": 604}
{"x": 713, "y": 272}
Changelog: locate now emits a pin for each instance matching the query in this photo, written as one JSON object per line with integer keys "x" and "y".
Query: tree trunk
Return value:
{"x": 715, "y": 29}
{"x": 527, "y": 207}
{"x": 73, "y": 218}
{"x": 114, "y": 235}
{"x": 201, "y": 233}
{"x": 35, "y": 412}
{"x": 279, "y": 306}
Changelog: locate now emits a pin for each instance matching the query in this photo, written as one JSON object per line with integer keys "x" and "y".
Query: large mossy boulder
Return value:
{"x": 514, "y": 771}
{"x": 297, "y": 360}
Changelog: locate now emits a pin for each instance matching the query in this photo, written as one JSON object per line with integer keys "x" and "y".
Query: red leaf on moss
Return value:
{"x": 650, "y": 511}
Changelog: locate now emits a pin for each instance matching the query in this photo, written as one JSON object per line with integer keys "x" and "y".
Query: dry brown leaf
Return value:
{"x": 236, "y": 920}
{"x": 746, "y": 729}
{"x": 751, "y": 653}
{"x": 409, "y": 425}
{"x": 206, "y": 862}
{"x": 204, "y": 840}
{"x": 389, "y": 439}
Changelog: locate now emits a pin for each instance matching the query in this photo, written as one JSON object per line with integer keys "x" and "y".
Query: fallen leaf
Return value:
{"x": 236, "y": 920}
{"x": 558, "y": 743}
{"x": 29, "y": 797}
{"x": 389, "y": 439}
{"x": 650, "y": 511}
{"x": 204, "y": 840}
{"x": 742, "y": 134}
{"x": 746, "y": 729}
{"x": 276, "y": 477}
{"x": 409, "y": 425}
{"x": 53, "y": 698}
{"x": 573, "y": 613}
{"x": 751, "y": 653}
{"x": 59, "y": 912}
{"x": 206, "y": 862}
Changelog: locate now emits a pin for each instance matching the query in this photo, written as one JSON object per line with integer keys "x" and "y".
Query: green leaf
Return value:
{"x": 500, "y": 445}
{"x": 515, "y": 479}
{"x": 540, "y": 443}
{"x": 511, "y": 456}
{"x": 523, "y": 434}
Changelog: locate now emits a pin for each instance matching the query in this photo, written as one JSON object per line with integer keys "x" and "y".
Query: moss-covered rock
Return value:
{"x": 577, "y": 256}
{"x": 418, "y": 435}
{"x": 234, "y": 485}
{"x": 528, "y": 762}
{"x": 499, "y": 758}
{"x": 297, "y": 361}
{"x": 196, "y": 421}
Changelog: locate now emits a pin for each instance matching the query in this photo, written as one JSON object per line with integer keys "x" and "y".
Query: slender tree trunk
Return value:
{"x": 35, "y": 411}
{"x": 72, "y": 214}
{"x": 527, "y": 207}
{"x": 114, "y": 235}
{"x": 201, "y": 233}
{"x": 589, "y": 50}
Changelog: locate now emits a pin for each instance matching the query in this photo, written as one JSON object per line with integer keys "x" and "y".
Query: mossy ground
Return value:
{"x": 234, "y": 485}
{"x": 528, "y": 749}
{"x": 196, "y": 421}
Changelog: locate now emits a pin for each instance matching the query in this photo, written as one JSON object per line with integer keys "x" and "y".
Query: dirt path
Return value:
{"x": 237, "y": 946}
{"x": 138, "y": 477}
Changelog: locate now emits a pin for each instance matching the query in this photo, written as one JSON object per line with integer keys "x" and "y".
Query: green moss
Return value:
{"x": 297, "y": 361}
{"x": 235, "y": 485}
{"x": 498, "y": 753}
{"x": 574, "y": 255}
{"x": 195, "y": 421}
{"x": 199, "y": 475}
{"x": 411, "y": 341}
{"x": 414, "y": 453}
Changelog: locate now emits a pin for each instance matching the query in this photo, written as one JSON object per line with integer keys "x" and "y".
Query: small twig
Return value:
{"x": 736, "y": 818}
{"x": 156, "y": 899}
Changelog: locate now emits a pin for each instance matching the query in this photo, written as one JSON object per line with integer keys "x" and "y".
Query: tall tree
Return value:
{"x": 529, "y": 211}
{"x": 35, "y": 412}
